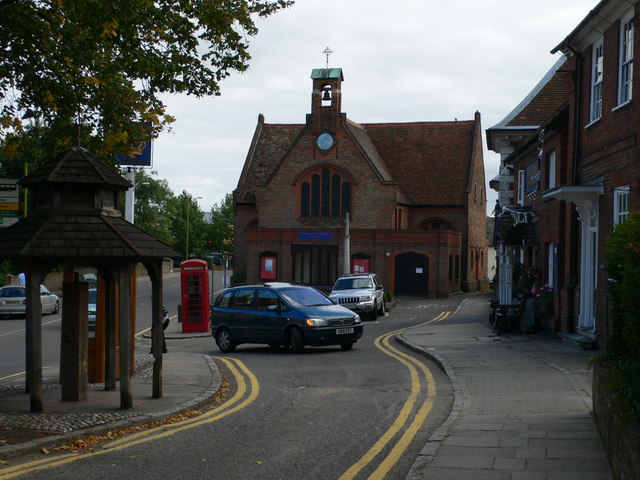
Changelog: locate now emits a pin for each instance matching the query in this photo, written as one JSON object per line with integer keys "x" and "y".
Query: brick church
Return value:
{"x": 414, "y": 194}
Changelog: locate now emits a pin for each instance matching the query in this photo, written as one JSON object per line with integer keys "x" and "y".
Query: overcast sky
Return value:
{"x": 402, "y": 60}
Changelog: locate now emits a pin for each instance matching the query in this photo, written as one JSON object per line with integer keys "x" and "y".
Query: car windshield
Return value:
{"x": 352, "y": 283}
{"x": 12, "y": 292}
{"x": 305, "y": 297}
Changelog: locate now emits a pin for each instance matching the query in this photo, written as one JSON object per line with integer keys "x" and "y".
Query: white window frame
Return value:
{"x": 625, "y": 62}
{"x": 551, "y": 172}
{"x": 620, "y": 205}
{"x": 597, "y": 75}
{"x": 521, "y": 184}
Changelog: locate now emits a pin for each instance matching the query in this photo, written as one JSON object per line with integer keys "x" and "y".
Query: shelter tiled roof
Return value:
{"x": 69, "y": 231}
{"x": 75, "y": 165}
{"x": 88, "y": 236}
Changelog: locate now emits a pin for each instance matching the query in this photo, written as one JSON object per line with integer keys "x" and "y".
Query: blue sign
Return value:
{"x": 143, "y": 159}
{"x": 315, "y": 236}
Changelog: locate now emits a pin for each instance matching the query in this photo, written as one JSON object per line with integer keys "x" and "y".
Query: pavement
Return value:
{"x": 522, "y": 407}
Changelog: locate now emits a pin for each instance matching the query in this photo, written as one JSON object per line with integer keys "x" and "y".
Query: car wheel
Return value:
{"x": 383, "y": 309}
{"x": 225, "y": 341}
{"x": 373, "y": 314}
{"x": 346, "y": 346}
{"x": 296, "y": 339}
{"x": 56, "y": 308}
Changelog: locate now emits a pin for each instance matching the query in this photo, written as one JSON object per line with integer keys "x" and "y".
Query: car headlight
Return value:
{"x": 356, "y": 319}
{"x": 316, "y": 322}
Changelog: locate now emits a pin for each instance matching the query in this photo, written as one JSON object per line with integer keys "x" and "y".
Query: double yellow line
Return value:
{"x": 422, "y": 382}
{"x": 247, "y": 391}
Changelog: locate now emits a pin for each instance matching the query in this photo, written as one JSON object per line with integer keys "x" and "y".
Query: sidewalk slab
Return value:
{"x": 524, "y": 403}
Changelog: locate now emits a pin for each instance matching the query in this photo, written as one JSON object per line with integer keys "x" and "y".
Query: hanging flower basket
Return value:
{"x": 543, "y": 303}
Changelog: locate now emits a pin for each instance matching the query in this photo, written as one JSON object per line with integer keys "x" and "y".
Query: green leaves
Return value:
{"x": 104, "y": 63}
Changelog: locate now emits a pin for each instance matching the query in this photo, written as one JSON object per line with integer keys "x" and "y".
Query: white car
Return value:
{"x": 362, "y": 293}
{"x": 13, "y": 300}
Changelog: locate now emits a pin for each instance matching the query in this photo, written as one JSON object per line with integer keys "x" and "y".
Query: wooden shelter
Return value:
{"x": 73, "y": 217}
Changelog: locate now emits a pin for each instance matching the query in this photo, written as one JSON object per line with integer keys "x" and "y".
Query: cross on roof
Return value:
{"x": 327, "y": 51}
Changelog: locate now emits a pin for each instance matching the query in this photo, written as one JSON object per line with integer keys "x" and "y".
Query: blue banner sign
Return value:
{"x": 315, "y": 236}
{"x": 144, "y": 157}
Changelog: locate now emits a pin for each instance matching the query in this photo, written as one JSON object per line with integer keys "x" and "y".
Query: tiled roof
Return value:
{"x": 273, "y": 142}
{"x": 546, "y": 98}
{"x": 88, "y": 236}
{"x": 429, "y": 160}
{"x": 327, "y": 73}
{"x": 75, "y": 165}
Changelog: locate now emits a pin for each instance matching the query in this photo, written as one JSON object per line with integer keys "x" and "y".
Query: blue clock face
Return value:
{"x": 325, "y": 141}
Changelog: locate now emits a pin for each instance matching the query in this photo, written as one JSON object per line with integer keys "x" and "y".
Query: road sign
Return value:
{"x": 9, "y": 201}
{"x": 8, "y": 188}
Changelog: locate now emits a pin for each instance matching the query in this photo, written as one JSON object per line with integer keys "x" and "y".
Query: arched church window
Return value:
{"x": 325, "y": 193}
{"x": 435, "y": 224}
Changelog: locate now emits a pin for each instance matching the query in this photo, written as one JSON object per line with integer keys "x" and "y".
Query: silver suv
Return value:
{"x": 362, "y": 293}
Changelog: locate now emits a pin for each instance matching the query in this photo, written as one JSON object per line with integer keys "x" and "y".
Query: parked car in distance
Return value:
{"x": 13, "y": 300}
{"x": 280, "y": 313}
{"x": 362, "y": 293}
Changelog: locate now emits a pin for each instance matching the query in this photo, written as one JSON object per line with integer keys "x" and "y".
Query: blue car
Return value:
{"x": 281, "y": 314}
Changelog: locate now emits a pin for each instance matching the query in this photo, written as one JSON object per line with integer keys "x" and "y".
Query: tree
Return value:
{"x": 102, "y": 64}
{"x": 221, "y": 226}
{"x": 188, "y": 227}
{"x": 622, "y": 250}
{"x": 152, "y": 205}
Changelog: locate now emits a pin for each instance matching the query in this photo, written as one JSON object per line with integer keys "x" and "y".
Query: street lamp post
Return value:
{"x": 188, "y": 209}
{"x": 130, "y": 195}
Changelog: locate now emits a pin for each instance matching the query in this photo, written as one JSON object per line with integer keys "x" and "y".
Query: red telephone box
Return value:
{"x": 195, "y": 296}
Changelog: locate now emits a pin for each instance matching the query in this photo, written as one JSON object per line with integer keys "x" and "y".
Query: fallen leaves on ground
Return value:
{"x": 88, "y": 443}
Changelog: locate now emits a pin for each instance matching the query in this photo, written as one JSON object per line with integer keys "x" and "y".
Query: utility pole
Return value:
{"x": 347, "y": 247}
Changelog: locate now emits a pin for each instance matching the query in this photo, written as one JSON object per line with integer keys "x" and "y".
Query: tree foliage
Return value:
{"x": 221, "y": 226}
{"x": 188, "y": 228}
{"x": 104, "y": 63}
{"x": 623, "y": 266}
{"x": 153, "y": 198}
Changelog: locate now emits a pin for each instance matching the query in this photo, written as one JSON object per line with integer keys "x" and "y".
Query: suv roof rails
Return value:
{"x": 356, "y": 274}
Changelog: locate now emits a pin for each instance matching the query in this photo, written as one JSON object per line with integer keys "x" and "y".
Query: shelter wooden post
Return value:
{"x": 110, "y": 333}
{"x": 155, "y": 274}
{"x": 73, "y": 347}
{"x": 125, "y": 271}
{"x": 33, "y": 337}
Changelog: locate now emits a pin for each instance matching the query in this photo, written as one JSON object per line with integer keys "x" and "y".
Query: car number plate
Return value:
{"x": 12, "y": 302}
{"x": 342, "y": 331}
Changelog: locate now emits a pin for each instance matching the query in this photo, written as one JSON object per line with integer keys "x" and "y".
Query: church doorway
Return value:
{"x": 412, "y": 274}
{"x": 315, "y": 265}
